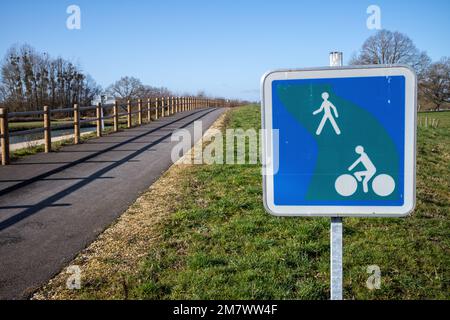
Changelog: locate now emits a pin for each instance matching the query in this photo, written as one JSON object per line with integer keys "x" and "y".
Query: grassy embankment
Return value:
{"x": 222, "y": 244}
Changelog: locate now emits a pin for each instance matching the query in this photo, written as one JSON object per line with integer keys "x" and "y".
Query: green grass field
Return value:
{"x": 221, "y": 244}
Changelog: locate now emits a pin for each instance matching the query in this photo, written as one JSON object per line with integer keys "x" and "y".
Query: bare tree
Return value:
{"x": 201, "y": 94}
{"x": 3, "y": 94}
{"x": 127, "y": 88}
{"x": 151, "y": 92}
{"x": 90, "y": 90}
{"x": 387, "y": 47}
{"x": 435, "y": 85}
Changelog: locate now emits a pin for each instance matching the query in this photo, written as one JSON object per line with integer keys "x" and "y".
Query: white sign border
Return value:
{"x": 410, "y": 141}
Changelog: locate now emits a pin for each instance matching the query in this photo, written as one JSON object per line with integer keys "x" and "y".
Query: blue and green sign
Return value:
{"x": 345, "y": 141}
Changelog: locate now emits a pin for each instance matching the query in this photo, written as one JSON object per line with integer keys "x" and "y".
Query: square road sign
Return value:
{"x": 345, "y": 141}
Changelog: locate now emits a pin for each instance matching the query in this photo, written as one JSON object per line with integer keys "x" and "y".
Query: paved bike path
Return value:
{"x": 53, "y": 205}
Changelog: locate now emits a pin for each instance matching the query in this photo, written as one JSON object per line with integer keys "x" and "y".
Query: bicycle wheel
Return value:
{"x": 346, "y": 185}
{"x": 383, "y": 185}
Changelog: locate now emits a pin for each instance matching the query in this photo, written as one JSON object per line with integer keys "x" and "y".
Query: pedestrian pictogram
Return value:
{"x": 326, "y": 108}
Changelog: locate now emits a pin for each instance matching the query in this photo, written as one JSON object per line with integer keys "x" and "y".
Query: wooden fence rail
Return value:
{"x": 158, "y": 107}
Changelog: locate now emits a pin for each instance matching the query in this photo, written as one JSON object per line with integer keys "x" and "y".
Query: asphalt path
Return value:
{"x": 54, "y": 205}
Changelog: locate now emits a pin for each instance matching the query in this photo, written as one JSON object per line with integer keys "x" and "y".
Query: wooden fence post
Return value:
{"x": 99, "y": 119}
{"x": 162, "y": 107}
{"x": 128, "y": 114}
{"x": 177, "y": 104}
{"x": 140, "y": 112}
{"x": 116, "y": 116}
{"x": 168, "y": 106}
{"x": 4, "y": 131}
{"x": 76, "y": 124}
{"x": 149, "y": 108}
{"x": 172, "y": 106}
{"x": 47, "y": 130}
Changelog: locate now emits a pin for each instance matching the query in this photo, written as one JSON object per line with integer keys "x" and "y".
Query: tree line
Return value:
{"x": 130, "y": 88}
{"x": 30, "y": 80}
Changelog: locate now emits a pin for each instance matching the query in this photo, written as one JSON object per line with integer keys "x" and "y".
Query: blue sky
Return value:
{"x": 220, "y": 46}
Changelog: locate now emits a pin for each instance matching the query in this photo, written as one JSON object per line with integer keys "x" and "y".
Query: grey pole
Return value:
{"x": 103, "y": 100}
{"x": 336, "y": 226}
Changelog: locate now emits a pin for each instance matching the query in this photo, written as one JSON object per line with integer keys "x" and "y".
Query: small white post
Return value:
{"x": 336, "y": 275}
{"x": 103, "y": 100}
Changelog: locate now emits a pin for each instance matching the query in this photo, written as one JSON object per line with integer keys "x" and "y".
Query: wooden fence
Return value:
{"x": 149, "y": 109}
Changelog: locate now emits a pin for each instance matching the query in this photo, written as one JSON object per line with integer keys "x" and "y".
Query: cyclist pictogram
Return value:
{"x": 346, "y": 185}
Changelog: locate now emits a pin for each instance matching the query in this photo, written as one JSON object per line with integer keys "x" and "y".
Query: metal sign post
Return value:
{"x": 336, "y": 276}
{"x": 336, "y": 229}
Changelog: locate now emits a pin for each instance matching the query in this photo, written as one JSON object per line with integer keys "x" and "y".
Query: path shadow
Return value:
{"x": 92, "y": 177}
